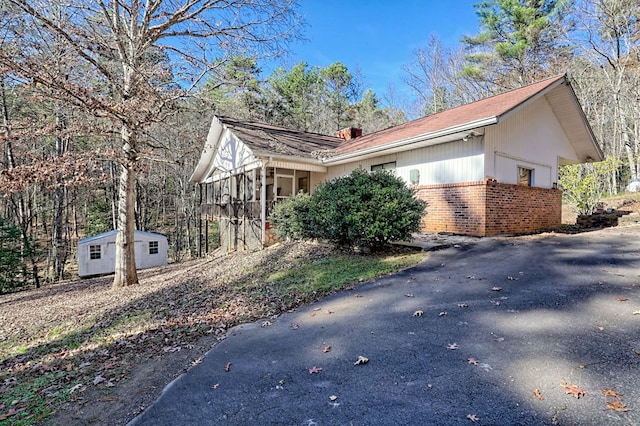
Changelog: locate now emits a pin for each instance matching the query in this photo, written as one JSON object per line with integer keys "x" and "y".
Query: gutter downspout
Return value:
{"x": 263, "y": 199}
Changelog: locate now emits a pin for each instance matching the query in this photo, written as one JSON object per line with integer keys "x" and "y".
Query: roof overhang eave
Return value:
{"x": 425, "y": 139}
{"x": 290, "y": 161}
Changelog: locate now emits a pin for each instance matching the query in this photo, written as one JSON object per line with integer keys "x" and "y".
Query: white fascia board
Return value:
{"x": 313, "y": 165}
{"x": 221, "y": 174}
{"x": 203, "y": 169}
{"x": 467, "y": 127}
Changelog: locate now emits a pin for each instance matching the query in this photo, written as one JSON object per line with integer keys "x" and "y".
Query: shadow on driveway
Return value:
{"x": 483, "y": 333}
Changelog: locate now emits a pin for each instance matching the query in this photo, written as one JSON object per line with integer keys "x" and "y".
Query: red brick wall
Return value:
{"x": 458, "y": 208}
{"x": 490, "y": 208}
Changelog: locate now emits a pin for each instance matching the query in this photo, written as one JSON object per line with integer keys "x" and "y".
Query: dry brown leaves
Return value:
{"x": 614, "y": 401}
{"x": 315, "y": 370}
{"x": 573, "y": 390}
{"x": 82, "y": 329}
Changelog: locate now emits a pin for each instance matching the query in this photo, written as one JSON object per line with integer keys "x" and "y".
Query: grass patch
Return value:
{"x": 28, "y": 402}
{"x": 336, "y": 272}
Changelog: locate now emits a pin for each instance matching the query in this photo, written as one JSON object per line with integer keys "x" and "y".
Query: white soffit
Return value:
{"x": 566, "y": 108}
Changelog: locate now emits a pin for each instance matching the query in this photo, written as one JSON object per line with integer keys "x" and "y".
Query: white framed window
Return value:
{"x": 525, "y": 176}
{"x": 95, "y": 252}
{"x": 153, "y": 247}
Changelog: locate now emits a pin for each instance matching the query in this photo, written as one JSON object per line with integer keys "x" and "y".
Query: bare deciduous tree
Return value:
{"x": 608, "y": 36}
{"x": 135, "y": 61}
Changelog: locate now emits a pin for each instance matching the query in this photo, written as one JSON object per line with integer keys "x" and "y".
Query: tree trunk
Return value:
{"x": 125, "y": 270}
{"x": 60, "y": 246}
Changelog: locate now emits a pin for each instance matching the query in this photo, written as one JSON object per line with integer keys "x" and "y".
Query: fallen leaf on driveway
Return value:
{"x": 574, "y": 390}
{"x": 453, "y": 346}
{"x": 614, "y": 401}
{"x": 418, "y": 313}
{"x": 512, "y": 278}
{"x": 326, "y": 349}
{"x": 473, "y": 418}
{"x": 636, "y": 312}
{"x": 462, "y": 305}
{"x": 333, "y": 398}
{"x": 601, "y": 328}
{"x": 315, "y": 370}
{"x": 265, "y": 324}
{"x": 295, "y": 326}
{"x": 441, "y": 314}
{"x": 621, "y": 299}
{"x": 617, "y": 405}
{"x": 361, "y": 360}
{"x": 538, "y": 394}
{"x": 496, "y": 288}
{"x": 215, "y": 386}
{"x": 409, "y": 295}
{"x": 473, "y": 361}
{"x": 227, "y": 367}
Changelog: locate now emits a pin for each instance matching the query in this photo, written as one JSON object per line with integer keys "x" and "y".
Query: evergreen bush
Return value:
{"x": 365, "y": 210}
{"x": 291, "y": 217}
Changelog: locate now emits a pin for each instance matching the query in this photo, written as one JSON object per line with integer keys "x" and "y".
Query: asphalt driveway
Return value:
{"x": 511, "y": 331}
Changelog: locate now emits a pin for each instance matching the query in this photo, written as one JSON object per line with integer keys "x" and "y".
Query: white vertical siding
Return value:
{"x": 107, "y": 242}
{"x": 452, "y": 162}
{"x": 531, "y": 138}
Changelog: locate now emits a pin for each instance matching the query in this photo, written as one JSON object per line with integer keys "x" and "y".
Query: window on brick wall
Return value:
{"x": 384, "y": 166}
{"x": 525, "y": 176}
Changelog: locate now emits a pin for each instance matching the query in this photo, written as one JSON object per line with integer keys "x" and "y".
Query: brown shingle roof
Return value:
{"x": 270, "y": 139}
{"x": 487, "y": 108}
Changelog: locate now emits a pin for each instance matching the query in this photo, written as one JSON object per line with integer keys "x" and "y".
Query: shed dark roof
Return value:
{"x": 270, "y": 139}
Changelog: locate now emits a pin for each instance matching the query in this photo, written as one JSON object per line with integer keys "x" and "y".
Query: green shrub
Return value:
{"x": 291, "y": 217}
{"x": 583, "y": 185}
{"x": 365, "y": 210}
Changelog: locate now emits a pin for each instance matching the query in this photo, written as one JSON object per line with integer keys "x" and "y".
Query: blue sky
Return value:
{"x": 379, "y": 36}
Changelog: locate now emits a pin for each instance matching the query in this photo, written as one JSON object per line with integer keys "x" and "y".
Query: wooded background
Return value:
{"x": 92, "y": 93}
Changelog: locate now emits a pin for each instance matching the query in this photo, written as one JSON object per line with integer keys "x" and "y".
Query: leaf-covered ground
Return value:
{"x": 78, "y": 352}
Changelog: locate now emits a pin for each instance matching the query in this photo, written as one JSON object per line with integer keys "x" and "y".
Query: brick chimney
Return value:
{"x": 349, "y": 133}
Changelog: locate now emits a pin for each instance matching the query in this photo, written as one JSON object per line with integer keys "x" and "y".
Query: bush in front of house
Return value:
{"x": 291, "y": 217}
{"x": 358, "y": 210}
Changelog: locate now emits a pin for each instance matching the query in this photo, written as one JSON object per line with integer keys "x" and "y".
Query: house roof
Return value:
{"x": 268, "y": 139}
{"x": 450, "y": 125}
{"x": 482, "y": 113}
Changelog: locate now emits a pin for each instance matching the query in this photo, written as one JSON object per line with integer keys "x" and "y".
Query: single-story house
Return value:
{"x": 96, "y": 254}
{"x": 486, "y": 168}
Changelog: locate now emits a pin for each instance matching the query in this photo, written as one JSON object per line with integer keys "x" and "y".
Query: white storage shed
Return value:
{"x": 96, "y": 254}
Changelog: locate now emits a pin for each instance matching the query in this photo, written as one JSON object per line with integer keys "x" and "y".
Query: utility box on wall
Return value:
{"x": 96, "y": 254}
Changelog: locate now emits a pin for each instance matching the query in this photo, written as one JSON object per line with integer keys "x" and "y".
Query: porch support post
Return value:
{"x": 263, "y": 201}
